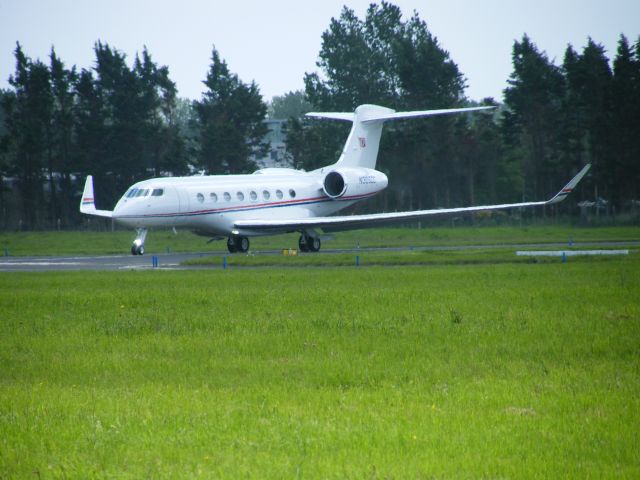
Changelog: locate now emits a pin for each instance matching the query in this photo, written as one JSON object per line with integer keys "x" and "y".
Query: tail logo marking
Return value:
{"x": 363, "y": 142}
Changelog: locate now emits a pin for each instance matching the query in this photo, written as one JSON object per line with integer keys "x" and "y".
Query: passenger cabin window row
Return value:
{"x": 253, "y": 195}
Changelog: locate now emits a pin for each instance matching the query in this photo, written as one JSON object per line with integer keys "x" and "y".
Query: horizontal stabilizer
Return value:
{"x": 388, "y": 114}
{"x": 346, "y": 116}
{"x": 363, "y": 143}
{"x": 424, "y": 113}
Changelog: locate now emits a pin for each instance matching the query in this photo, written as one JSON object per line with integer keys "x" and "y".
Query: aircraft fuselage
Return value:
{"x": 210, "y": 205}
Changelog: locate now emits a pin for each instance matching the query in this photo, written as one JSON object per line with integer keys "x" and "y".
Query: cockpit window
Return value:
{"x": 132, "y": 192}
{"x": 157, "y": 192}
{"x": 142, "y": 192}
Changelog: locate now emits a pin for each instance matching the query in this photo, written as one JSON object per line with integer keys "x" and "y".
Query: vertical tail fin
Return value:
{"x": 361, "y": 147}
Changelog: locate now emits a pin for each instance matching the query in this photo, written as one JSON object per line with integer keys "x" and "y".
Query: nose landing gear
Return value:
{"x": 237, "y": 243}
{"x": 138, "y": 244}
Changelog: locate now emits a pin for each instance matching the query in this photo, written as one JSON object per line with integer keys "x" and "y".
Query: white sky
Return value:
{"x": 275, "y": 42}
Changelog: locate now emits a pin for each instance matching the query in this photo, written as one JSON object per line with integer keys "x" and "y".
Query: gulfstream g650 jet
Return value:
{"x": 279, "y": 200}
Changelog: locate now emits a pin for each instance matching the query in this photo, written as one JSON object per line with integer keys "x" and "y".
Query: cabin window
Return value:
{"x": 240, "y": 196}
{"x": 200, "y": 197}
{"x": 157, "y": 192}
{"x": 227, "y": 196}
{"x": 279, "y": 194}
{"x": 266, "y": 195}
{"x": 213, "y": 197}
{"x": 132, "y": 192}
{"x": 253, "y": 195}
{"x": 292, "y": 193}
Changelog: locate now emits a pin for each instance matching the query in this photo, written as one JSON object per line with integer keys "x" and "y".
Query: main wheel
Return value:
{"x": 314, "y": 244}
{"x": 231, "y": 245}
{"x": 302, "y": 244}
{"x": 243, "y": 244}
{"x": 137, "y": 249}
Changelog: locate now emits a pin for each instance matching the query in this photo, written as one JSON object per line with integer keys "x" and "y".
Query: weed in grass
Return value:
{"x": 456, "y": 316}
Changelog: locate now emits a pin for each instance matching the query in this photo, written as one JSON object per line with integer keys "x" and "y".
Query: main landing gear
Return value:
{"x": 237, "y": 243}
{"x": 138, "y": 244}
{"x": 307, "y": 243}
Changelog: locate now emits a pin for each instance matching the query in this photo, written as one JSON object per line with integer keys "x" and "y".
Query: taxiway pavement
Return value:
{"x": 175, "y": 260}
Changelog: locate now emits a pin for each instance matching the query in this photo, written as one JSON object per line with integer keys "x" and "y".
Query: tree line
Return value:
{"x": 123, "y": 123}
{"x": 552, "y": 120}
{"x": 118, "y": 122}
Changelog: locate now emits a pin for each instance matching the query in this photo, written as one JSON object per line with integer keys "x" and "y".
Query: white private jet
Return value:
{"x": 279, "y": 200}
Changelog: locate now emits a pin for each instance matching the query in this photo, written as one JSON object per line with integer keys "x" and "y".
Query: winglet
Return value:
{"x": 568, "y": 188}
{"x": 87, "y": 203}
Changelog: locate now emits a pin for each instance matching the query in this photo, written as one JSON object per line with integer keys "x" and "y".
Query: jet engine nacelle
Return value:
{"x": 353, "y": 182}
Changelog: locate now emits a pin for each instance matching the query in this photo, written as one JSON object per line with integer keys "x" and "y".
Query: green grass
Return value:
{"x": 390, "y": 258}
{"x": 119, "y": 242}
{"x": 501, "y": 370}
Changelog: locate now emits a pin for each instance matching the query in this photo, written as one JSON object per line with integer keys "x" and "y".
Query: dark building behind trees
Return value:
{"x": 123, "y": 122}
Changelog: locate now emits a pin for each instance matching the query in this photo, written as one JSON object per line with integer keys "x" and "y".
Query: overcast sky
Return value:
{"x": 275, "y": 42}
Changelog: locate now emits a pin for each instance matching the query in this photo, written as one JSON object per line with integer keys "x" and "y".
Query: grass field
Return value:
{"x": 457, "y": 371}
{"x": 119, "y": 242}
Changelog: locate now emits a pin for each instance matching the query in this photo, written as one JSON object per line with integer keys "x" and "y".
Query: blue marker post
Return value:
{"x": 357, "y": 260}
{"x": 154, "y": 261}
{"x": 564, "y": 257}
{"x": 224, "y": 262}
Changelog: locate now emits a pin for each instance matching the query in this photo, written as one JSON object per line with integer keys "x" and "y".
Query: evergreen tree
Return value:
{"x": 533, "y": 100}
{"x": 386, "y": 60}
{"x": 163, "y": 147}
{"x": 7, "y": 98}
{"x": 230, "y": 119}
{"x": 28, "y": 118}
{"x": 625, "y": 121}
{"x": 62, "y": 129}
{"x": 91, "y": 149}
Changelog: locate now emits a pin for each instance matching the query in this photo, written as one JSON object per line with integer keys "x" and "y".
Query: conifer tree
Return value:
{"x": 625, "y": 121}
{"x": 230, "y": 120}
{"x": 533, "y": 99}
{"x": 28, "y": 118}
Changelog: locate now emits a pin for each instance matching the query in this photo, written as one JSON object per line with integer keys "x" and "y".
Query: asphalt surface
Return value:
{"x": 174, "y": 260}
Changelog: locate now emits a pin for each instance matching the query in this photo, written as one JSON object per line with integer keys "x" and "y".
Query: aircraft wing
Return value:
{"x": 87, "y": 204}
{"x": 353, "y": 222}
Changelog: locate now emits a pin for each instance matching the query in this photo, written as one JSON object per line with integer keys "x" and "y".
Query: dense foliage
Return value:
{"x": 554, "y": 119}
{"x": 120, "y": 123}
{"x": 123, "y": 123}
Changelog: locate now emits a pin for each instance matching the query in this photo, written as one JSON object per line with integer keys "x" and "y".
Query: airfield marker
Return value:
{"x": 357, "y": 260}
{"x": 224, "y": 262}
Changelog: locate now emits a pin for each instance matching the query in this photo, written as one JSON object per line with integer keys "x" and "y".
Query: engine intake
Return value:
{"x": 334, "y": 184}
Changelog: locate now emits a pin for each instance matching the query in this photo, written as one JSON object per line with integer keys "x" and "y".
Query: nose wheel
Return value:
{"x": 238, "y": 244}
{"x": 307, "y": 243}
